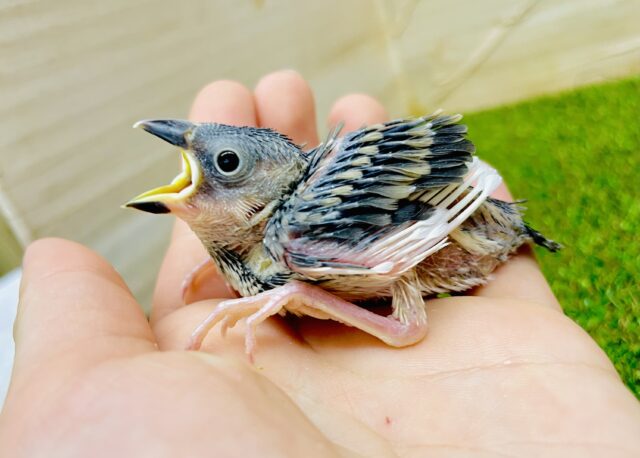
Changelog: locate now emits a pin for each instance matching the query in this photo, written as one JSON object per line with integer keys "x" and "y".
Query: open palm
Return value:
{"x": 502, "y": 372}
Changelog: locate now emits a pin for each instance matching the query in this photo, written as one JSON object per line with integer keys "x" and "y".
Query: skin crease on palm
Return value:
{"x": 502, "y": 372}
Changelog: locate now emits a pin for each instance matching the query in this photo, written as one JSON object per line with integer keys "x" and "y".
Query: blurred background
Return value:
{"x": 76, "y": 74}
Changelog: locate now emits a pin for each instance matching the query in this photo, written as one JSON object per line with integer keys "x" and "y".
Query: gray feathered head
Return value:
{"x": 228, "y": 173}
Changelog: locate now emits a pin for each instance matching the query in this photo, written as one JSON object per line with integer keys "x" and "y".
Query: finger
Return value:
{"x": 225, "y": 102}
{"x": 356, "y": 111}
{"x": 74, "y": 307}
{"x": 502, "y": 193}
{"x": 520, "y": 278}
{"x": 284, "y": 102}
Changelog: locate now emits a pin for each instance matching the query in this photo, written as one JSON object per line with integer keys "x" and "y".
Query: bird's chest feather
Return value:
{"x": 264, "y": 267}
{"x": 250, "y": 271}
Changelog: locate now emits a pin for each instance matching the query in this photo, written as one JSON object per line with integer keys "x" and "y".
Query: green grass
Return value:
{"x": 576, "y": 158}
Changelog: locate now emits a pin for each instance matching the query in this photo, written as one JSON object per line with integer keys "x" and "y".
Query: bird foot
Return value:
{"x": 305, "y": 299}
{"x": 255, "y": 309}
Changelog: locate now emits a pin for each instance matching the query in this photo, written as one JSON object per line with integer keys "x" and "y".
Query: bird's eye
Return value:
{"x": 228, "y": 162}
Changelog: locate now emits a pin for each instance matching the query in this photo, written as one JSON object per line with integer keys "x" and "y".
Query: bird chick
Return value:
{"x": 397, "y": 211}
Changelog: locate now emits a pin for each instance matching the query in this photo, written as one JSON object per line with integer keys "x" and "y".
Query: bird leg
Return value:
{"x": 191, "y": 278}
{"x": 305, "y": 299}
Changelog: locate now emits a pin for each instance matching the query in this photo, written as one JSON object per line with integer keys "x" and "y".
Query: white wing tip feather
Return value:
{"x": 383, "y": 268}
{"x": 408, "y": 247}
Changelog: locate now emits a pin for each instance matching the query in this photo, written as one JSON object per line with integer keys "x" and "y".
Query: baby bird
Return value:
{"x": 396, "y": 211}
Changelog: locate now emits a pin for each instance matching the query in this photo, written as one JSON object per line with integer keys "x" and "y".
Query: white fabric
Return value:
{"x": 9, "y": 285}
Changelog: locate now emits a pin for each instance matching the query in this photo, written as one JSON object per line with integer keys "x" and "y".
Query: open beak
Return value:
{"x": 166, "y": 198}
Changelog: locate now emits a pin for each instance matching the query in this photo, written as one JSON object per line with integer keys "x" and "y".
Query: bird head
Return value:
{"x": 229, "y": 175}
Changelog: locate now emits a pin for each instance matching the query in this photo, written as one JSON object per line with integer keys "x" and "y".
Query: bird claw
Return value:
{"x": 255, "y": 309}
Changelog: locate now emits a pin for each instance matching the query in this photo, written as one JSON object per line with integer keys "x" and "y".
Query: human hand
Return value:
{"x": 502, "y": 372}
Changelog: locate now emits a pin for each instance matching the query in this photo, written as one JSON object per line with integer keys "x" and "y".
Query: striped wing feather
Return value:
{"x": 381, "y": 199}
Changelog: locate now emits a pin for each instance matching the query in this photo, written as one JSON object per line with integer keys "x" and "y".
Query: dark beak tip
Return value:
{"x": 149, "y": 207}
{"x": 172, "y": 131}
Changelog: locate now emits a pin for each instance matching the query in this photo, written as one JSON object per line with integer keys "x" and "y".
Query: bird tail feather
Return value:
{"x": 541, "y": 240}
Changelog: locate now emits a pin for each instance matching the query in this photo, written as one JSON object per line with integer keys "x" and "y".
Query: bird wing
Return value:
{"x": 381, "y": 199}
